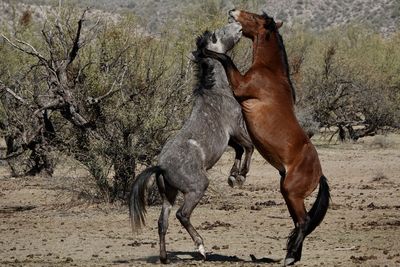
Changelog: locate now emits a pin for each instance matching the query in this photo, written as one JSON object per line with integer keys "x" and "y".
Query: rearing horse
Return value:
{"x": 266, "y": 96}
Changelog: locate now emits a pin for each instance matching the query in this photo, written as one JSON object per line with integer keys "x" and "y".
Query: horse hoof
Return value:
{"x": 289, "y": 261}
{"x": 164, "y": 260}
{"x": 202, "y": 251}
{"x": 232, "y": 181}
{"x": 240, "y": 180}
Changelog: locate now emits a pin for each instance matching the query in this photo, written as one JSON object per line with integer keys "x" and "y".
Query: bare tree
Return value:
{"x": 104, "y": 94}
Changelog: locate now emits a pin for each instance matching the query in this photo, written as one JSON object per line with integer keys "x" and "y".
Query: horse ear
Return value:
{"x": 278, "y": 24}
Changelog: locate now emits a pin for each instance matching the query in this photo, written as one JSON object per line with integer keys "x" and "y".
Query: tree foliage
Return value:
{"x": 347, "y": 77}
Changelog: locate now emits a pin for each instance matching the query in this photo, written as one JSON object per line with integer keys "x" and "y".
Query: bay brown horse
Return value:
{"x": 267, "y": 98}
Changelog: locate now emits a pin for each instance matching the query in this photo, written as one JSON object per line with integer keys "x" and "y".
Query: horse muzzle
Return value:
{"x": 233, "y": 15}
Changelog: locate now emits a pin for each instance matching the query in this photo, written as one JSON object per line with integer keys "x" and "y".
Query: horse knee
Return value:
{"x": 285, "y": 187}
{"x": 290, "y": 187}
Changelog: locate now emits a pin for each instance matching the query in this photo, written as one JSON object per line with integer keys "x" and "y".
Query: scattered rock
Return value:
{"x": 134, "y": 244}
{"x": 361, "y": 259}
{"x": 209, "y": 226}
{"x": 226, "y": 207}
{"x": 266, "y": 203}
{"x": 255, "y": 208}
{"x": 259, "y": 205}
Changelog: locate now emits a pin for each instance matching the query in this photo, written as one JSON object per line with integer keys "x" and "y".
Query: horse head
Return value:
{"x": 220, "y": 40}
{"x": 254, "y": 24}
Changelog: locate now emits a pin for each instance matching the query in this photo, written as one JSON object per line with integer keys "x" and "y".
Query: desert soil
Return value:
{"x": 52, "y": 222}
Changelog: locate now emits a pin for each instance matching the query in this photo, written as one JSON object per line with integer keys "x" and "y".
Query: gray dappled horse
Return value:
{"x": 216, "y": 121}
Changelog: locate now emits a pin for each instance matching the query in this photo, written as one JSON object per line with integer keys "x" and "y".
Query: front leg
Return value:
{"x": 235, "y": 78}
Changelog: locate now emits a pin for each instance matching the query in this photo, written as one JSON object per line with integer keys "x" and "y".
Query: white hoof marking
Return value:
{"x": 202, "y": 251}
{"x": 289, "y": 261}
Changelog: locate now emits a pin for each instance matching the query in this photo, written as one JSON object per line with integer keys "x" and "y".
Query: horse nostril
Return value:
{"x": 230, "y": 11}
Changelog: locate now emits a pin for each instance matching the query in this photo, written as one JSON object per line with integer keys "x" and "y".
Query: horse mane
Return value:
{"x": 204, "y": 71}
{"x": 286, "y": 64}
{"x": 272, "y": 27}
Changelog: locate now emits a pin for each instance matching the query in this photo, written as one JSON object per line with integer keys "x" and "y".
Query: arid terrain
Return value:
{"x": 52, "y": 222}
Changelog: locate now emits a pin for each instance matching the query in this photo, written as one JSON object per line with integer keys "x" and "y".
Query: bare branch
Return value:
{"x": 61, "y": 35}
{"x": 80, "y": 71}
{"x": 12, "y": 155}
{"x": 93, "y": 31}
{"x": 58, "y": 103}
{"x": 77, "y": 118}
{"x": 32, "y": 51}
{"x": 76, "y": 45}
{"x": 11, "y": 92}
{"x": 96, "y": 100}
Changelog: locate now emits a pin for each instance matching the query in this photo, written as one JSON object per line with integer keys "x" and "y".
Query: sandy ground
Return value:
{"x": 44, "y": 223}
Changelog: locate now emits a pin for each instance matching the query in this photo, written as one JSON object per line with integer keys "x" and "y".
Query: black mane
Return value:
{"x": 286, "y": 63}
{"x": 204, "y": 71}
{"x": 271, "y": 26}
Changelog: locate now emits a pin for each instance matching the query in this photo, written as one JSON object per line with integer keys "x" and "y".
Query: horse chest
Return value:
{"x": 255, "y": 113}
{"x": 254, "y": 109}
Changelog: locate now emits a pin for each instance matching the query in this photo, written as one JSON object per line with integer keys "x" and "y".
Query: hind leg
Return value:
{"x": 294, "y": 194}
{"x": 191, "y": 199}
{"x": 245, "y": 167}
{"x": 168, "y": 197}
{"x": 234, "y": 173}
{"x": 296, "y": 238}
{"x": 242, "y": 143}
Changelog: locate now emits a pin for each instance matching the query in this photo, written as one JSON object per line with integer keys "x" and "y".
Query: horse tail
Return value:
{"x": 320, "y": 206}
{"x": 137, "y": 202}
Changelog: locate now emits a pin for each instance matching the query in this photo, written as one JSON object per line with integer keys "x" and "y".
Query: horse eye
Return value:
{"x": 214, "y": 38}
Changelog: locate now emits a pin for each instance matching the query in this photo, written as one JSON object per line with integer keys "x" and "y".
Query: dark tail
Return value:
{"x": 137, "y": 202}
{"x": 320, "y": 207}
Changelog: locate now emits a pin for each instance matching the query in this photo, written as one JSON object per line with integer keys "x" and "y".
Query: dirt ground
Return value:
{"x": 50, "y": 221}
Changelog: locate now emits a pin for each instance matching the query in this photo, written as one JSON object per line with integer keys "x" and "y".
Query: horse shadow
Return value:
{"x": 183, "y": 256}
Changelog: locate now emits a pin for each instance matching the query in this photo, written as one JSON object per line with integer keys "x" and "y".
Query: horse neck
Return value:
{"x": 221, "y": 81}
{"x": 269, "y": 53}
{"x": 212, "y": 69}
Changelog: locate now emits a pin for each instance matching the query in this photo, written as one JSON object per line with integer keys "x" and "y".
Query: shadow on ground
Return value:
{"x": 182, "y": 256}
